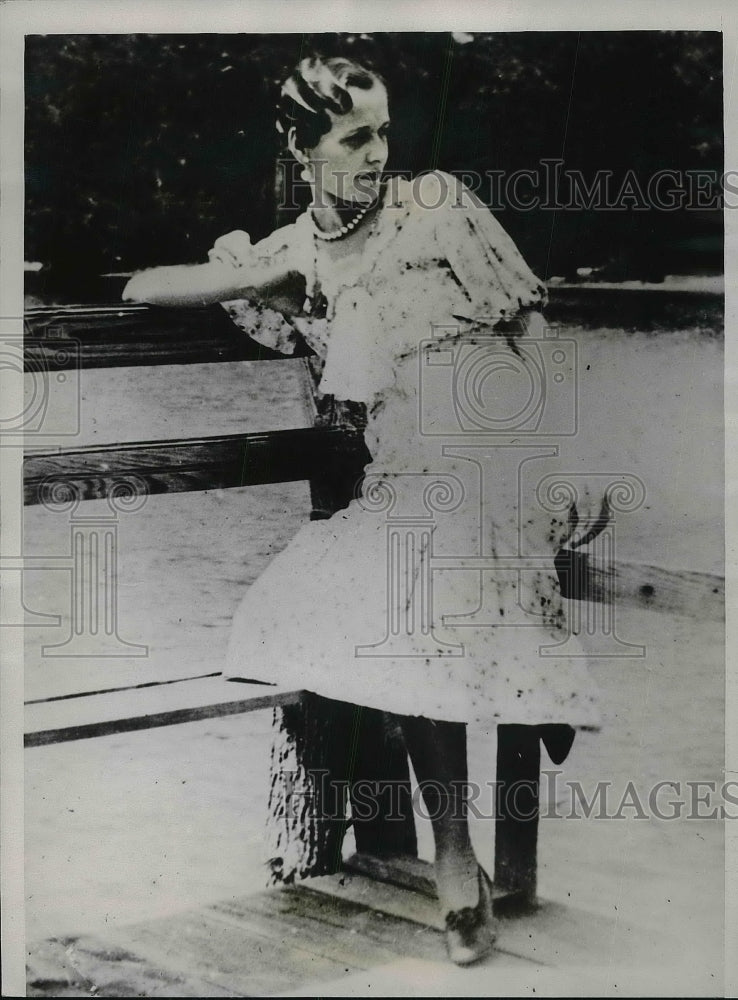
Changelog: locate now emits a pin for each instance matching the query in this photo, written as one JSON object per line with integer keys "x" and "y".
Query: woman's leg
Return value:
{"x": 438, "y": 754}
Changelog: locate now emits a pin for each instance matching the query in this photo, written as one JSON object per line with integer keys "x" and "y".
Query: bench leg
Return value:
{"x": 307, "y": 800}
{"x": 323, "y": 752}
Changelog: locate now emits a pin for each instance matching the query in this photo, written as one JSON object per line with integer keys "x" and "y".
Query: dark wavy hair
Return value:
{"x": 319, "y": 85}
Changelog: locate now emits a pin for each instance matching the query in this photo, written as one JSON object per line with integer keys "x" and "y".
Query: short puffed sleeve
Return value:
{"x": 274, "y": 262}
{"x": 494, "y": 279}
{"x": 496, "y": 288}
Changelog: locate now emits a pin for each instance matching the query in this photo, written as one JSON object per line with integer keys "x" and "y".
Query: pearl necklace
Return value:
{"x": 344, "y": 230}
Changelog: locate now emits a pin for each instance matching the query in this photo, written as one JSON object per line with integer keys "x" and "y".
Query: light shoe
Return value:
{"x": 472, "y": 930}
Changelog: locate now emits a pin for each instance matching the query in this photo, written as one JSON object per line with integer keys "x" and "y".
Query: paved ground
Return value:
{"x": 145, "y": 835}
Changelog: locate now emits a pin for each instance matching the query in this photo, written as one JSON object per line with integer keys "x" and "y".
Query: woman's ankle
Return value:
{"x": 458, "y": 885}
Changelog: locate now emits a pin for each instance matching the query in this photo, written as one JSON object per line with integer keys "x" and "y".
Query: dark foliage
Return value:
{"x": 142, "y": 149}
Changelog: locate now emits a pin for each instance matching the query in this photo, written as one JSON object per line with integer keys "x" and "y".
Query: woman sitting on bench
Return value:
{"x": 403, "y": 281}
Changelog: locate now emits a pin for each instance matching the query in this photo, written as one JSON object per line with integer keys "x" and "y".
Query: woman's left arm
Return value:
{"x": 507, "y": 299}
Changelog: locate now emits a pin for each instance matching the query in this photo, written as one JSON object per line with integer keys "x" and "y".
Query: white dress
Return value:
{"x": 434, "y": 593}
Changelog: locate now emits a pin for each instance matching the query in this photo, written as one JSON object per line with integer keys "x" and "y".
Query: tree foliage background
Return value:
{"x": 142, "y": 149}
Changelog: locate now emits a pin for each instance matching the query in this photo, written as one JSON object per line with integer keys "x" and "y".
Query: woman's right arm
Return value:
{"x": 236, "y": 270}
{"x": 188, "y": 285}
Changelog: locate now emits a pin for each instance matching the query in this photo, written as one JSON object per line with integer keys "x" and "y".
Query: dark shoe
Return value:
{"x": 471, "y": 931}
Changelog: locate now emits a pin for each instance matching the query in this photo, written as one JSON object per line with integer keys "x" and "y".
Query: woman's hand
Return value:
{"x": 276, "y": 282}
{"x": 234, "y": 249}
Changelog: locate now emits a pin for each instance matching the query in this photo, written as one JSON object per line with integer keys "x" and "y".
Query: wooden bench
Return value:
{"x": 330, "y": 456}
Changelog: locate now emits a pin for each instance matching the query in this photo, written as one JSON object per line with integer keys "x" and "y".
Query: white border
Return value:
{"x": 18, "y": 17}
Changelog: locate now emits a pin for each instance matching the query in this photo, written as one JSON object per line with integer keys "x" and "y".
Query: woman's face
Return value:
{"x": 348, "y": 161}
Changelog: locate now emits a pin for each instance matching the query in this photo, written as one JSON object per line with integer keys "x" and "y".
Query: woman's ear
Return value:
{"x": 299, "y": 154}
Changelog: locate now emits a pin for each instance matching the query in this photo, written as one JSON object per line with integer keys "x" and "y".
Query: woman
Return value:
{"x": 401, "y": 277}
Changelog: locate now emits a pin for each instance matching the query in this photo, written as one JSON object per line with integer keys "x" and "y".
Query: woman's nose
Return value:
{"x": 376, "y": 153}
